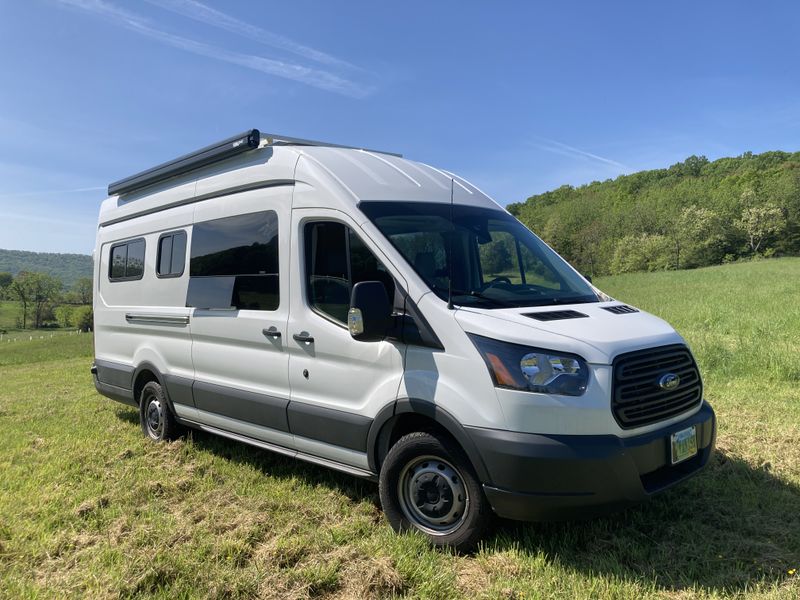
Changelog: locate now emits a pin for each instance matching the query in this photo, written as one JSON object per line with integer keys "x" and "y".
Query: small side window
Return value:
{"x": 171, "y": 254}
{"x": 126, "y": 261}
{"x": 119, "y": 255}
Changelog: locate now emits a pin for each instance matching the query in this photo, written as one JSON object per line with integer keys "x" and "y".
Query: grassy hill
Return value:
{"x": 92, "y": 509}
{"x": 67, "y": 267}
{"x": 695, "y": 213}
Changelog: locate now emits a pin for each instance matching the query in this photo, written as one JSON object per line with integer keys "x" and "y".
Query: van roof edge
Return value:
{"x": 275, "y": 139}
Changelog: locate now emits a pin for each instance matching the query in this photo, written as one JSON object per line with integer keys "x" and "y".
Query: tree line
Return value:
{"x": 44, "y": 302}
{"x": 693, "y": 214}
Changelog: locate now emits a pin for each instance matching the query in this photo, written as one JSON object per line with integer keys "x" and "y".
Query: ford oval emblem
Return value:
{"x": 669, "y": 381}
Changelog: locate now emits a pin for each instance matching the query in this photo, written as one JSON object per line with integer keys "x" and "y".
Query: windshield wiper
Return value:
{"x": 477, "y": 294}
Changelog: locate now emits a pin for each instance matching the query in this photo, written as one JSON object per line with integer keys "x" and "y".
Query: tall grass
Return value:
{"x": 88, "y": 507}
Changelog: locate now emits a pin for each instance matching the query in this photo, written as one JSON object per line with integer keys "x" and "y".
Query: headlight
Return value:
{"x": 532, "y": 369}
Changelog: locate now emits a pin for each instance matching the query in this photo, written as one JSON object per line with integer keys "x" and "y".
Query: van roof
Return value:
{"x": 349, "y": 175}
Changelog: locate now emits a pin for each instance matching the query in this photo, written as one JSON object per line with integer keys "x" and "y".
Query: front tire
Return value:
{"x": 427, "y": 484}
{"x": 158, "y": 422}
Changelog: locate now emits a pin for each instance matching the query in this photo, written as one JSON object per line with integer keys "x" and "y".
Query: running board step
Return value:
{"x": 323, "y": 462}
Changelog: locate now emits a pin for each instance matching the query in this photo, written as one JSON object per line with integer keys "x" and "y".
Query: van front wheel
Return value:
{"x": 428, "y": 484}
{"x": 158, "y": 422}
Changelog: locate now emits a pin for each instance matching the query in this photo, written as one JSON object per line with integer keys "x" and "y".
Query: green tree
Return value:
{"x": 688, "y": 229}
{"x": 35, "y": 292}
{"x": 759, "y": 220}
{"x": 64, "y": 314}
{"x": 5, "y": 281}
{"x": 83, "y": 290}
{"x": 705, "y": 212}
{"x": 645, "y": 252}
{"x": 85, "y": 318}
{"x": 20, "y": 290}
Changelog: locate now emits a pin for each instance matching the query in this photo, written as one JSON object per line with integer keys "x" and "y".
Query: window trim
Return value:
{"x": 126, "y": 243}
{"x": 158, "y": 253}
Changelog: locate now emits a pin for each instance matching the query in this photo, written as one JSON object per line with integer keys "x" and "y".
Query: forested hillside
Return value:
{"x": 66, "y": 267}
{"x": 694, "y": 213}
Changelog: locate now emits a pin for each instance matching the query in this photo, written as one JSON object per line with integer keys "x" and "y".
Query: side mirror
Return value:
{"x": 370, "y": 314}
{"x": 587, "y": 277}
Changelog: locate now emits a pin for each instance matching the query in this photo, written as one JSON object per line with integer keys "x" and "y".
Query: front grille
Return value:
{"x": 556, "y": 315}
{"x": 637, "y": 398}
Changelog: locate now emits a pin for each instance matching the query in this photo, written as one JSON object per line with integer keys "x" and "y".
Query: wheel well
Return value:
{"x": 143, "y": 378}
{"x": 403, "y": 424}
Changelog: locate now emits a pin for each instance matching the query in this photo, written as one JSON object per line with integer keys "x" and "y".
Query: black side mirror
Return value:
{"x": 370, "y": 315}
{"x": 587, "y": 277}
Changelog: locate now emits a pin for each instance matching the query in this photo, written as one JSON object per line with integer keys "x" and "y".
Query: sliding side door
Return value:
{"x": 239, "y": 294}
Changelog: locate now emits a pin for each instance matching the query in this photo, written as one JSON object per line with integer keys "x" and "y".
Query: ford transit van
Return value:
{"x": 385, "y": 318}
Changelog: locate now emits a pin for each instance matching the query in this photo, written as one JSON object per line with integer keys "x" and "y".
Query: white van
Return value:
{"x": 385, "y": 318}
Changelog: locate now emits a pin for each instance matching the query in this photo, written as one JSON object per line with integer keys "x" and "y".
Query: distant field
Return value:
{"x": 88, "y": 507}
{"x": 9, "y": 312}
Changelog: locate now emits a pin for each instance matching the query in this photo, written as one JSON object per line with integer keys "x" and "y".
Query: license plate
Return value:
{"x": 684, "y": 444}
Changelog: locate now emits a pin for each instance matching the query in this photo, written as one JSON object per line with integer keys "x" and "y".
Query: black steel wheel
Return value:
{"x": 428, "y": 484}
{"x": 158, "y": 422}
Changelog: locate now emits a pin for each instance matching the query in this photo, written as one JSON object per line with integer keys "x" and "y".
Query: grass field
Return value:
{"x": 88, "y": 507}
{"x": 9, "y": 312}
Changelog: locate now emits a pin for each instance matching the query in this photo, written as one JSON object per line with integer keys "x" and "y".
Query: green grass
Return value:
{"x": 9, "y": 313}
{"x": 88, "y": 507}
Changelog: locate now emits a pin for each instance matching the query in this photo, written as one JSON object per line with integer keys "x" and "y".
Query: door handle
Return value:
{"x": 272, "y": 332}
{"x": 303, "y": 337}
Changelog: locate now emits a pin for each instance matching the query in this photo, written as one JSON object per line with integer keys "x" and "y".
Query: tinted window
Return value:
{"x": 240, "y": 245}
{"x": 126, "y": 261}
{"x": 119, "y": 255}
{"x": 134, "y": 266}
{"x": 234, "y": 263}
{"x": 337, "y": 259}
{"x": 171, "y": 254}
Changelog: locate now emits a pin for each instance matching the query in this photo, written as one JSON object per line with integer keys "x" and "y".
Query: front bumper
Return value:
{"x": 537, "y": 477}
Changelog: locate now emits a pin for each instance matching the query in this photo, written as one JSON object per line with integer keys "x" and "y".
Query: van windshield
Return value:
{"x": 495, "y": 261}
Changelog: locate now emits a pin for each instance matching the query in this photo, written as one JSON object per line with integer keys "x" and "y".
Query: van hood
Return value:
{"x": 596, "y": 334}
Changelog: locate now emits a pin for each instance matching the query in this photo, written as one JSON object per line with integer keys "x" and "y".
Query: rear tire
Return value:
{"x": 158, "y": 422}
{"x": 428, "y": 484}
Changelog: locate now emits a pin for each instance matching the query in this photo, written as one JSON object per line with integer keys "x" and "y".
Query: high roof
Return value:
{"x": 348, "y": 175}
{"x": 369, "y": 175}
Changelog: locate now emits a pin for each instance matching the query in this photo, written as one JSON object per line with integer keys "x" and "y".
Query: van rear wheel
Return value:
{"x": 427, "y": 484}
{"x": 158, "y": 422}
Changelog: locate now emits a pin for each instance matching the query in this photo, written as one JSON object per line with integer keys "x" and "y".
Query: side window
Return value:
{"x": 126, "y": 261}
{"x": 234, "y": 263}
{"x": 171, "y": 254}
{"x": 337, "y": 259}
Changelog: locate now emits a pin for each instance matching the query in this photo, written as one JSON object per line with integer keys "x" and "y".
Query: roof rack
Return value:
{"x": 275, "y": 139}
{"x": 227, "y": 148}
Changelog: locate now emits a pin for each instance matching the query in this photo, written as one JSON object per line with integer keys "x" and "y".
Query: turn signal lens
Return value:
{"x": 500, "y": 371}
{"x": 355, "y": 321}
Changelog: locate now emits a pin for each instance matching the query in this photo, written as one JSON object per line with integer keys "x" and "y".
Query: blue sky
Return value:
{"x": 518, "y": 97}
